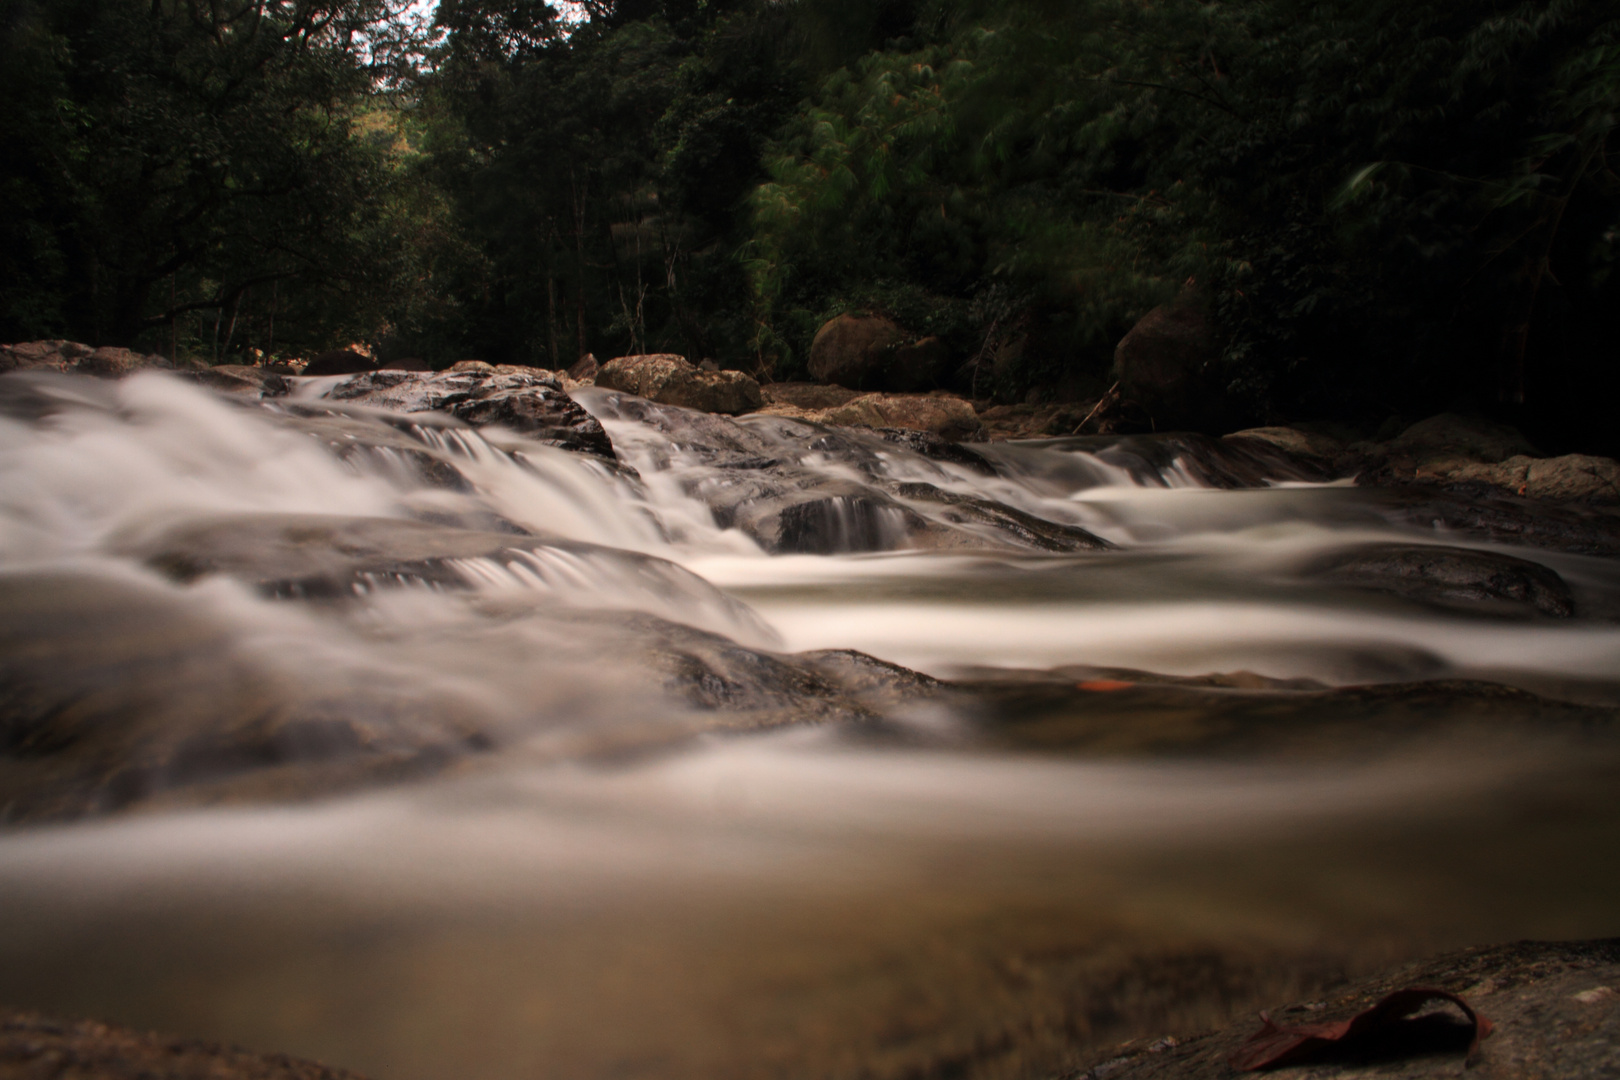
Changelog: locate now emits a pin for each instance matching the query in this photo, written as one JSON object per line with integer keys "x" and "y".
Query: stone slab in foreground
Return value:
{"x": 36, "y": 1046}
{"x": 1555, "y": 1007}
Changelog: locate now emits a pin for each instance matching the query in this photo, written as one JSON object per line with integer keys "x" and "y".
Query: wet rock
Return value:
{"x": 671, "y": 380}
{"x": 338, "y": 362}
{"x": 70, "y": 356}
{"x": 1028, "y": 420}
{"x": 585, "y": 369}
{"x": 527, "y": 400}
{"x": 766, "y": 474}
{"x": 1453, "y": 577}
{"x": 1036, "y": 533}
{"x": 810, "y": 397}
{"x": 1109, "y": 712}
{"x": 321, "y": 556}
{"x": 1320, "y": 451}
{"x": 1471, "y": 438}
{"x": 1160, "y": 364}
{"x": 1470, "y": 454}
{"x": 119, "y": 693}
{"x": 35, "y": 393}
{"x": 253, "y": 382}
{"x": 405, "y": 363}
{"x": 1553, "y": 1005}
{"x": 936, "y": 448}
{"x": 42, "y": 355}
{"x": 32, "y": 1044}
{"x": 1158, "y": 460}
{"x": 1485, "y": 512}
{"x": 941, "y": 414}
{"x": 945, "y": 415}
{"x": 112, "y": 363}
{"x": 1570, "y": 478}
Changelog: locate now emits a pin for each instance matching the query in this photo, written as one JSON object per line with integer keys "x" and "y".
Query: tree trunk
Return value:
{"x": 579, "y": 260}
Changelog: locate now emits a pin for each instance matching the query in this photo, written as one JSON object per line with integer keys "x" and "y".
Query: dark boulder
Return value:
{"x": 871, "y": 352}
{"x": 338, "y": 362}
{"x": 671, "y": 380}
{"x": 854, "y": 350}
{"x": 1162, "y": 365}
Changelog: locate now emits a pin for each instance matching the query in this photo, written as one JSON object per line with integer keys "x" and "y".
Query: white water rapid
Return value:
{"x": 441, "y": 752}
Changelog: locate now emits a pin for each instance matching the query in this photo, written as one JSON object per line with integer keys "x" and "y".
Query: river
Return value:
{"x": 435, "y": 752}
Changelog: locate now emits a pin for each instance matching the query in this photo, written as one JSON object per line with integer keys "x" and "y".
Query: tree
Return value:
{"x": 168, "y": 158}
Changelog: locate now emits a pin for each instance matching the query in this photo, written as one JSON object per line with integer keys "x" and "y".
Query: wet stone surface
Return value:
{"x": 1454, "y": 577}
{"x": 530, "y": 403}
{"x": 33, "y": 1045}
{"x": 1555, "y": 1007}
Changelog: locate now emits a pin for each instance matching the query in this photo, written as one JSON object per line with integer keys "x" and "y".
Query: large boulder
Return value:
{"x": 671, "y": 380}
{"x": 944, "y": 415}
{"x": 871, "y": 352}
{"x": 939, "y": 413}
{"x": 1162, "y": 364}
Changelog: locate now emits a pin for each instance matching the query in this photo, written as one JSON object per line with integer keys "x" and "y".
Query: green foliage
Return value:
{"x": 1390, "y": 205}
{"x": 171, "y": 160}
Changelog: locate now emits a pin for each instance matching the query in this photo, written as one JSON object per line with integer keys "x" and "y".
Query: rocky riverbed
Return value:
{"x": 823, "y": 732}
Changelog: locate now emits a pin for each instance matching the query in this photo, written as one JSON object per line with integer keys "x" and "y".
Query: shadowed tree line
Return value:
{"x": 1387, "y": 207}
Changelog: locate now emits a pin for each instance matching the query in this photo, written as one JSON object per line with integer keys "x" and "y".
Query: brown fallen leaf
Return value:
{"x": 1279, "y": 1044}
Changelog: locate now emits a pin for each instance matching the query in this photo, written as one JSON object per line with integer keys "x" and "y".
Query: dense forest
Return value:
{"x": 1385, "y": 206}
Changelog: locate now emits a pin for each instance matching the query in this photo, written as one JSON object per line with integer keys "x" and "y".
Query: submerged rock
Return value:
{"x": 796, "y": 486}
{"x": 1108, "y": 712}
{"x": 1454, "y": 577}
{"x": 1554, "y": 1007}
{"x": 1487, "y": 513}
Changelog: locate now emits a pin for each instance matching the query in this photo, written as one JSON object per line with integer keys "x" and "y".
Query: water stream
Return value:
{"x": 433, "y": 751}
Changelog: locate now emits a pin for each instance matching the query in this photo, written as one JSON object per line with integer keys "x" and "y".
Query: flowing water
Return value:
{"x": 438, "y": 752}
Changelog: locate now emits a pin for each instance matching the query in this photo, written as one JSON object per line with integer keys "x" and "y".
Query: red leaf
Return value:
{"x": 1277, "y": 1044}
